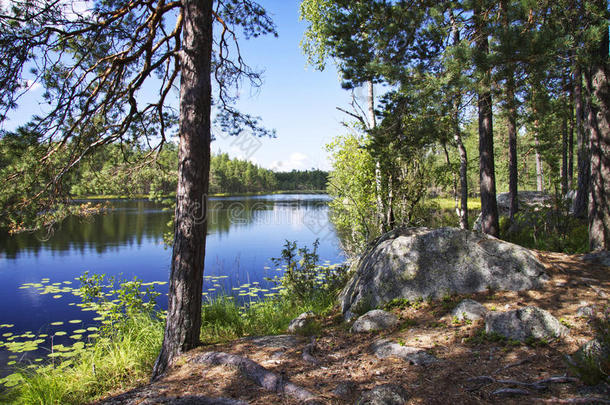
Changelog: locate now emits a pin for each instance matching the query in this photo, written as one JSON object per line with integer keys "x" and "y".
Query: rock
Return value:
{"x": 376, "y": 319}
{"x": 384, "y": 348}
{"x": 591, "y": 361}
{"x": 386, "y": 394}
{"x": 414, "y": 263}
{"x": 586, "y": 311}
{"x": 346, "y": 390}
{"x": 525, "y": 323}
{"x": 602, "y": 258}
{"x": 530, "y": 199}
{"x": 301, "y": 323}
{"x": 469, "y": 309}
{"x": 277, "y": 341}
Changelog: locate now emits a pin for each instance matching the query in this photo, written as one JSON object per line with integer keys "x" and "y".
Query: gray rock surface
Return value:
{"x": 301, "y": 322}
{"x": 586, "y": 311}
{"x": 412, "y": 263}
{"x": 346, "y": 390}
{"x": 278, "y": 341}
{"x": 469, "y": 309}
{"x": 376, "y": 319}
{"x": 386, "y": 394}
{"x": 524, "y": 323}
{"x": 602, "y": 257}
{"x": 384, "y": 348}
{"x": 531, "y": 199}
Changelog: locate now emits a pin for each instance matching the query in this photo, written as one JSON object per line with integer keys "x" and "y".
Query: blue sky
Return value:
{"x": 296, "y": 100}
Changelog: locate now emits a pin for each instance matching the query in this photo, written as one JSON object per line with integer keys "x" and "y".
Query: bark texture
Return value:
{"x": 582, "y": 190}
{"x": 512, "y": 148}
{"x": 186, "y": 280}
{"x": 599, "y": 122}
{"x": 489, "y": 206}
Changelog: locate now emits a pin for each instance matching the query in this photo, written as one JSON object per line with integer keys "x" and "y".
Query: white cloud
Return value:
{"x": 296, "y": 161}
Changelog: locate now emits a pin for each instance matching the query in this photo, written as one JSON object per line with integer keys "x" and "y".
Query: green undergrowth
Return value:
{"x": 120, "y": 352}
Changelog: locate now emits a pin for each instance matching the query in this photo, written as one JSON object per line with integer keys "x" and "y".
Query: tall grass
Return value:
{"x": 120, "y": 359}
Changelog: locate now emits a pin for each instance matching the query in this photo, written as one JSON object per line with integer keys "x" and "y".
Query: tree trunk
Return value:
{"x": 539, "y": 170}
{"x": 599, "y": 122}
{"x": 381, "y": 213}
{"x": 512, "y": 149}
{"x": 489, "y": 205}
{"x": 571, "y": 137}
{"x": 582, "y": 190}
{"x": 183, "y": 323}
{"x": 462, "y": 210}
{"x": 564, "y": 143}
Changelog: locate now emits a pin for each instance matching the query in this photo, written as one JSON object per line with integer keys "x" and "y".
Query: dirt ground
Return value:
{"x": 463, "y": 355}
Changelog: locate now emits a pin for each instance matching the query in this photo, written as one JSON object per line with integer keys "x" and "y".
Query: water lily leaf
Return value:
{"x": 57, "y": 296}
{"x": 75, "y": 321}
{"x": 80, "y": 331}
{"x": 57, "y": 323}
{"x": 60, "y": 333}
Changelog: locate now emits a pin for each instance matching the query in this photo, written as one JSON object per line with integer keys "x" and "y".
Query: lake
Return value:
{"x": 38, "y": 271}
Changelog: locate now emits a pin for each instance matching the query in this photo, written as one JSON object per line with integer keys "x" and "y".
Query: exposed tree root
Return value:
{"x": 257, "y": 373}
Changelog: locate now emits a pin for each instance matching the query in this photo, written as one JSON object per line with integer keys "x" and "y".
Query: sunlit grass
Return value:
{"x": 449, "y": 203}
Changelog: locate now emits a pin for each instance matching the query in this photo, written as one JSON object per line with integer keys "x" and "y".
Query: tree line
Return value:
{"x": 439, "y": 81}
{"x": 113, "y": 170}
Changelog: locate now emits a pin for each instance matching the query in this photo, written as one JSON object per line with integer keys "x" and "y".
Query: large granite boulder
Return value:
{"x": 414, "y": 263}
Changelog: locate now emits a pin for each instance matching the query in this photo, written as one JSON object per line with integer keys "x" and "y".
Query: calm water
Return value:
{"x": 244, "y": 234}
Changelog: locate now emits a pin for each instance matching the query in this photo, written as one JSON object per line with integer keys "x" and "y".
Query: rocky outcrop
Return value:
{"x": 414, "y": 263}
{"x": 525, "y": 323}
{"x": 374, "y": 320}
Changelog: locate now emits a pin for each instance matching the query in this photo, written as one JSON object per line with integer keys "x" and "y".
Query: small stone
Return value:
{"x": 301, "y": 322}
{"x": 586, "y": 311}
{"x": 376, "y": 319}
{"x": 386, "y": 394}
{"x": 346, "y": 390}
{"x": 525, "y": 323}
{"x": 384, "y": 348}
{"x": 469, "y": 309}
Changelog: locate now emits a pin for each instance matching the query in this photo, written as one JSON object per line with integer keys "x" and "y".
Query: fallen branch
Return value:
{"x": 537, "y": 385}
{"x": 509, "y": 392}
{"x": 577, "y": 400}
{"x": 257, "y": 373}
{"x": 519, "y": 363}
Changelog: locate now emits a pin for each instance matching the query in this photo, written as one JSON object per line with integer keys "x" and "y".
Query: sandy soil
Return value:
{"x": 462, "y": 354}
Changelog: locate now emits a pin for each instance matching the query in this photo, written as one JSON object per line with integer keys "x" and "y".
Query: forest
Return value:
{"x": 469, "y": 98}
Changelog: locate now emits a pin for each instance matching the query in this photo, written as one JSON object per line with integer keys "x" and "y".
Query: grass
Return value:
{"x": 120, "y": 359}
{"x": 447, "y": 203}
